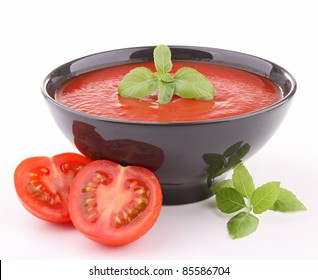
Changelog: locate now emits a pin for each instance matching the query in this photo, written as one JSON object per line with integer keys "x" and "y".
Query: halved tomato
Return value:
{"x": 112, "y": 204}
{"x": 42, "y": 184}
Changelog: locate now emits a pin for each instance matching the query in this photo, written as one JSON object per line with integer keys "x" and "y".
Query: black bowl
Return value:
{"x": 184, "y": 156}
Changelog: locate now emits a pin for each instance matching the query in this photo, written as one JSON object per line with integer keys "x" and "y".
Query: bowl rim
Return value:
{"x": 287, "y": 97}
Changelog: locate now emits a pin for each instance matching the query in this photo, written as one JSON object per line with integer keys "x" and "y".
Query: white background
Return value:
{"x": 37, "y": 36}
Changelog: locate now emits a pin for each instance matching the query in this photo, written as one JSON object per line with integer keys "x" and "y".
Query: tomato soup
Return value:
{"x": 237, "y": 92}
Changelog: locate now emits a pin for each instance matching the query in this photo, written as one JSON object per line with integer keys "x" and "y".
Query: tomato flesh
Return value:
{"x": 112, "y": 204}
{"x": 42, "y": 184}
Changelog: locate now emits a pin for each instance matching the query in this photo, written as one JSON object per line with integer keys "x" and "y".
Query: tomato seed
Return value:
{"x": 88, "y": 201}
{"x": 79, "y": 167}
{"x": 44, "y": 171}
{"x": 65, "y": 167}
{"x": 140, "y": 191}
{"x": 57, "y": 199}
{"x": 89, "y": 187}
{"x": 99, "y": 177}
{"x": 129, "y": 211}
{"x": 92, "y": 217}
{"x": 32, "y": 174}
{"x": 138, "y": 200}
{"x": 124, "y": 214}
{"x": 117, "y": 220}
{"x": 86, "y": 189}
{"x": 102, "y": 178}
{"x": 38, "y": 187}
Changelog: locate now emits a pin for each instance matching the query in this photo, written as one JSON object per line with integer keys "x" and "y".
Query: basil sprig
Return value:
{"x": 186, "y": 82}
{"x": 240, "y": 194}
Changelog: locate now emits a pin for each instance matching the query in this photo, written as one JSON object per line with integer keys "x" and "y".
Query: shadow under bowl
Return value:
{"x": 182, "y": 155}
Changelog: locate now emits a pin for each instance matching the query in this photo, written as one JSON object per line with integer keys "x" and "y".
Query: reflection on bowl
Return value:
{"x": 123, "y": 151}
{"x": 219, "y": 164}
{"x": 185, "y": 155}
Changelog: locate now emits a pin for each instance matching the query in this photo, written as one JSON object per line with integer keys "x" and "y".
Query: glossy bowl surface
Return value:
{"x": 182, "y": 155}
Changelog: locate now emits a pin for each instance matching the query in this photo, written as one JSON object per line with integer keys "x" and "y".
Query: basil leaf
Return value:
{"x": 187, "y": 83}
{"x": 287, "y": 202}
{"x": 233, "y": 195}
{"x": 138, "y": 83}
{"x": 229, "y": 200}
{"x": 166, "y": 91}
{"x": 264, "y": 197}
{"x": 242, "y": 225}
{"x": 223, "y": 184}
{"x": 162, "y": 59}
{"x": 166, "y": 78}
{"x": 243, "y": 181}
{"x": 192, "y": 84}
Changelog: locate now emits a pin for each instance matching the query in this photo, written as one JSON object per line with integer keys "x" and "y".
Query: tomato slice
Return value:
{"x": 112, "y": 204}
{"x": 42, "y": 184}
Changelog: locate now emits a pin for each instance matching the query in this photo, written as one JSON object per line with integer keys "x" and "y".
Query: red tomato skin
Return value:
{"x": 22, "y": 179}
{"x": 103, "y": 230}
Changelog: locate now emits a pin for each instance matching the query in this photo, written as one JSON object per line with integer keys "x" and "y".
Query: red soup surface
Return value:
{"x": 237, "y": 92}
